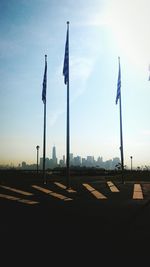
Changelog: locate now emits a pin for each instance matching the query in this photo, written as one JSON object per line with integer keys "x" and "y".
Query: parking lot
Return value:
{"x": 93, "y": 216}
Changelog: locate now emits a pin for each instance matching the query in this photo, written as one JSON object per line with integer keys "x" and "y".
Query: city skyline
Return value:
{"x": 78, "y": 161}
{"x": 100, "y": 31}
{"x": 53, "y": 161}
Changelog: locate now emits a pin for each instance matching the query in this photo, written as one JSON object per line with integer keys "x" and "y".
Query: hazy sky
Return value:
{"x": 100, "y": 31}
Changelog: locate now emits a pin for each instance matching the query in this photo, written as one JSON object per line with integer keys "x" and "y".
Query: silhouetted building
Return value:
{"x": 90, "y": 161}
{"x": 77, "y": 161}
{"x": 54, "y": 158}
{"x": 83, "y": 162}
{"x": 74, "y": 161}
{"x": 64, "y": 160}
{"x": 62, "y": 163}
{"x": 71, "y": 159}
{"x": 24, "y": 165}
{"x": 54, "y": 153}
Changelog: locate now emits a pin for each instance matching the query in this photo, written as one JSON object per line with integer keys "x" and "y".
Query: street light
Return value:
{"x": 37, "y": 147}
{"x": 131, "y": 162}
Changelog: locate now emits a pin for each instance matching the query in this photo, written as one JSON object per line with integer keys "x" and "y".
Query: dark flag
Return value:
{"x": 44, "y": 82}
{"x": 66, "y": 61}
{"x": 119, "y": 83}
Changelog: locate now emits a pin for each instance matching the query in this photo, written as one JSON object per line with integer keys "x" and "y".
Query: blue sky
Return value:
{"x": 100, "y": 31}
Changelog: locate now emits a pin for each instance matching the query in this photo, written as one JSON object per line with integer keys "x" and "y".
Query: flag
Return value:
{"x": 119, "y": 83}
{"x": 44, "y": 82}
{"x": 66, "y": 60}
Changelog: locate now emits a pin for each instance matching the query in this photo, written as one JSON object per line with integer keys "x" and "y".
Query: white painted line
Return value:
{"x": 60, "y": 185}
{"x": 94, "y": 192}
{"x": 49, "y": 192}
{"x": 137, "y": 192}
{"x": 26, "y": 201}
{"x": 8, "y": 197}
{"x": 17, "y": 190}
{"x": 89, "y": 187}
{"x": 112, "y": 187}
{"x": 70, "y": 190}
{"x": 42, "y": 189}
{"x": 60, "y": 196}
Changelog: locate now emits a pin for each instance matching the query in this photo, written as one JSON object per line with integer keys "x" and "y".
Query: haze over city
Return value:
{"x": 100, "y": 31}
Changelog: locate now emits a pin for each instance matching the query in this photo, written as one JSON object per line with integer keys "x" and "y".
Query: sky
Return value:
{"x": 100, "y": 31}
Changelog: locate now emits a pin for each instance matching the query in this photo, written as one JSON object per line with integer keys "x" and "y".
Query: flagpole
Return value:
{"x": 121, "y": 134}
{"x": 44, "y": 132}
{"x": 68, "y": 121}
{"x": 121, "y": 143}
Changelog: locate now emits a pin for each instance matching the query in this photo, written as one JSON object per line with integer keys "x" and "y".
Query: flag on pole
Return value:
{"x": 66, "y": 60}
{"x": 44, "y": 82}
{"x": 118, "y": 83}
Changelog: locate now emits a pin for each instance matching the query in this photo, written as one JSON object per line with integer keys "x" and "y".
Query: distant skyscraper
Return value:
{"x": 90, "y": 161}
{"x": 71, "y": 159}
{"x": 54, "y": 153}
{"x": 54, "y": 158}
{"x": 64, "y": 159}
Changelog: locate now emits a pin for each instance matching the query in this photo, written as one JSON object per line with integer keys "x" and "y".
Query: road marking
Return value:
{"x": 49, "y": 192}
{"x": 26, "y": 201}
{"x": 94, "y": 192}
{"x": 137, "y": 192}
{"x": 8, "y": 197}
{"x": 112, "y": 187}
{"x": 70, "y": 190}
{"x": 42, "y": 189}
{"x": 17, "y": 190}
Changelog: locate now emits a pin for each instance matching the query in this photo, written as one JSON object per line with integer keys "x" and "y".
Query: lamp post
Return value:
{"x": 131, "y": 162}
{"x": 37, "y": 147}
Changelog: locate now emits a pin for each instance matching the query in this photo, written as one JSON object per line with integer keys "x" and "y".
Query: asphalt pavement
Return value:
{"x": 93, "y": 221}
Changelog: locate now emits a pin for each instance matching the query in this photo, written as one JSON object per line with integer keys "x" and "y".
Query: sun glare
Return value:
{"x": 129, "y": 22}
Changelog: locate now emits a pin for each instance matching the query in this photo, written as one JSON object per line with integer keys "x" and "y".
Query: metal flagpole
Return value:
{"x": 121, "y": 141}
{"x": 68, "y": 119}
{"x": 118, "y": 97}
{"x": 66, "y": 81}
{"x": 44, "y": 101}
{"x": 44, "y": 143}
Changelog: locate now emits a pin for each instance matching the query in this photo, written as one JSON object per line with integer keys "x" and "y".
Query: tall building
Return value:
{"x": 54, "y": 158}
{"x": 71, "y": 159}
{"x": 64, "y": 161}
{"x": 90, "y": 161}
{"x": 54, "y": 153}
{"x": 24, "y": 165}
{"x": 47, "y": 163}
{"x": 77, "y": 161}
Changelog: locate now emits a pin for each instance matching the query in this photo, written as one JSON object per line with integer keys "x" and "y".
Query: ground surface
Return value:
{"x": 100, "y": 220}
